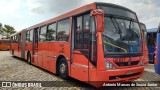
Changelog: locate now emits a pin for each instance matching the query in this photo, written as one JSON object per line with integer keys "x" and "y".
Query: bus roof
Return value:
{"x": 152, "y": 30}
{"x": 78, "y": 11}
{"x": 75, "y": 12}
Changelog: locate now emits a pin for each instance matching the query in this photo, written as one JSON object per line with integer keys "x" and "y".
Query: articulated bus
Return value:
{"x": 151, "y": 42}
{"x": 4, "y": 44}
{"x": 157, "y": 53}
{"x": 144, "y": 30}
{"x": 96, "y": 42}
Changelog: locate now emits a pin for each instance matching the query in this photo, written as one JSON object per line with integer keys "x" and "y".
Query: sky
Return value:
{"x": 24, "y": 13}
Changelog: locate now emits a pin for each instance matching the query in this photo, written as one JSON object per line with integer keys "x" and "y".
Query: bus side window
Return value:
{"x": 63, "y": 30}
{"x": 42, "y": 34}
{"x": 31, "y": 36}
{"x": 51, "y": 32}
{"x": 27, "y": 36}
{"x": 17, "y": 38}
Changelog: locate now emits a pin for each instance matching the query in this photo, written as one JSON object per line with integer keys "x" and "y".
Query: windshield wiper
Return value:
{"x": 115, "y": 25}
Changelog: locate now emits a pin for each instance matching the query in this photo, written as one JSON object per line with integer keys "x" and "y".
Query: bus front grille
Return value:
{"x": 121, "y": 64}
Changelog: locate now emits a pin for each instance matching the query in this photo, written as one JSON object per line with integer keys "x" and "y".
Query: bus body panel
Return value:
{"x": 5, "y": 44}
{"x": 15, "y": 47}
{"x": 4, "y": 47}
{"x": 28, "y": 48}
{"x": 79, "y": 66}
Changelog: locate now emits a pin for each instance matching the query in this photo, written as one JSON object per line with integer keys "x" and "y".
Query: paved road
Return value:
{"x": 15, "y": 69}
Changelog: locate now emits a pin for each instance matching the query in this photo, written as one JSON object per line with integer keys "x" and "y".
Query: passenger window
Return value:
{"x": 17, "y": 38}
{"x": 42, "y": 36}
{"x": 63, "y": 30}
{"x": 27, "y": 36}
{"x": 31, "y": 36}
{"x": 51, "y": 32}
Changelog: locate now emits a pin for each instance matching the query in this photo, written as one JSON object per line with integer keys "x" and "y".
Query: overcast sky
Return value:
{"x": 24, "y": 13}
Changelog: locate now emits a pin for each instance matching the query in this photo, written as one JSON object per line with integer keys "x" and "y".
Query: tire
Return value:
{"x": 63, "y": 69}
{"x": 29, "y": 58}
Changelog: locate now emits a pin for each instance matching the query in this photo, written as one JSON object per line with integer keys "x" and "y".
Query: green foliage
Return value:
{"x": 1, "y": 28}
{"x": 6, "y": 31}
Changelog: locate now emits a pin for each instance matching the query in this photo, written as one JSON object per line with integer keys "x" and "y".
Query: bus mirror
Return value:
{"x": 99, "y": 15}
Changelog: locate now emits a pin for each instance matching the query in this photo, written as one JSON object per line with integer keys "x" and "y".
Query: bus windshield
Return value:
{"x": 121, "y": 36}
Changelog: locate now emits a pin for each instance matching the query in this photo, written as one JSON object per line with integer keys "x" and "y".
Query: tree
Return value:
{"x": 8, "y": 30}
{"x": 1, "y": 30}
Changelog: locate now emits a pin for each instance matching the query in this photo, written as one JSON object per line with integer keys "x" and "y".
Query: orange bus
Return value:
{"x": 4, "y": 44}
{"x": 96, "y": 42}
{"x": 144, "y": 30}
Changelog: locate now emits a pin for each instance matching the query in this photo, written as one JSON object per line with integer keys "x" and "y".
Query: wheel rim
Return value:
{"x": 62, "y": 68}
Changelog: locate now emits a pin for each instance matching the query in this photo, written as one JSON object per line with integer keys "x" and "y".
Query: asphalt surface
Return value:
{"x": 16, "y": 69}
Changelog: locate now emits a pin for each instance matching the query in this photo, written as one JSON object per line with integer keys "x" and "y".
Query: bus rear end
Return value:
{"x": 119, "y": 44}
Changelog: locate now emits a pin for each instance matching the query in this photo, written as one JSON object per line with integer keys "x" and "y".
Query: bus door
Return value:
{"x": 81, "y": 46}
{"x": 35, "y": 46}
{"x": 42, "y": 48}
{"x": 19, "y": 44}
{"x": 23, "y": 44}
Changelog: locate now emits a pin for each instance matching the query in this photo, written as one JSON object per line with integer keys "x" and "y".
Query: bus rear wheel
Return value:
{"x": 29, "y": 58}
{"x": 63, "y": 68}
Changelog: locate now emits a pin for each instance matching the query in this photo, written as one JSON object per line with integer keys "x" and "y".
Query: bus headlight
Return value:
{"x": 109, "y": 66}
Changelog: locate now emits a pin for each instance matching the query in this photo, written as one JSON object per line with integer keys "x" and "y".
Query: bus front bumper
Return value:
{"x": 121, "y": 75}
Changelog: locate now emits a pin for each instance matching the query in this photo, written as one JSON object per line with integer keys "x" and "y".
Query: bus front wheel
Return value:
{"x": 63, "y": 68}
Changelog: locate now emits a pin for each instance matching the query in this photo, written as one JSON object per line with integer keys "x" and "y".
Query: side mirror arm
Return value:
{"x": 99, "y": 15}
